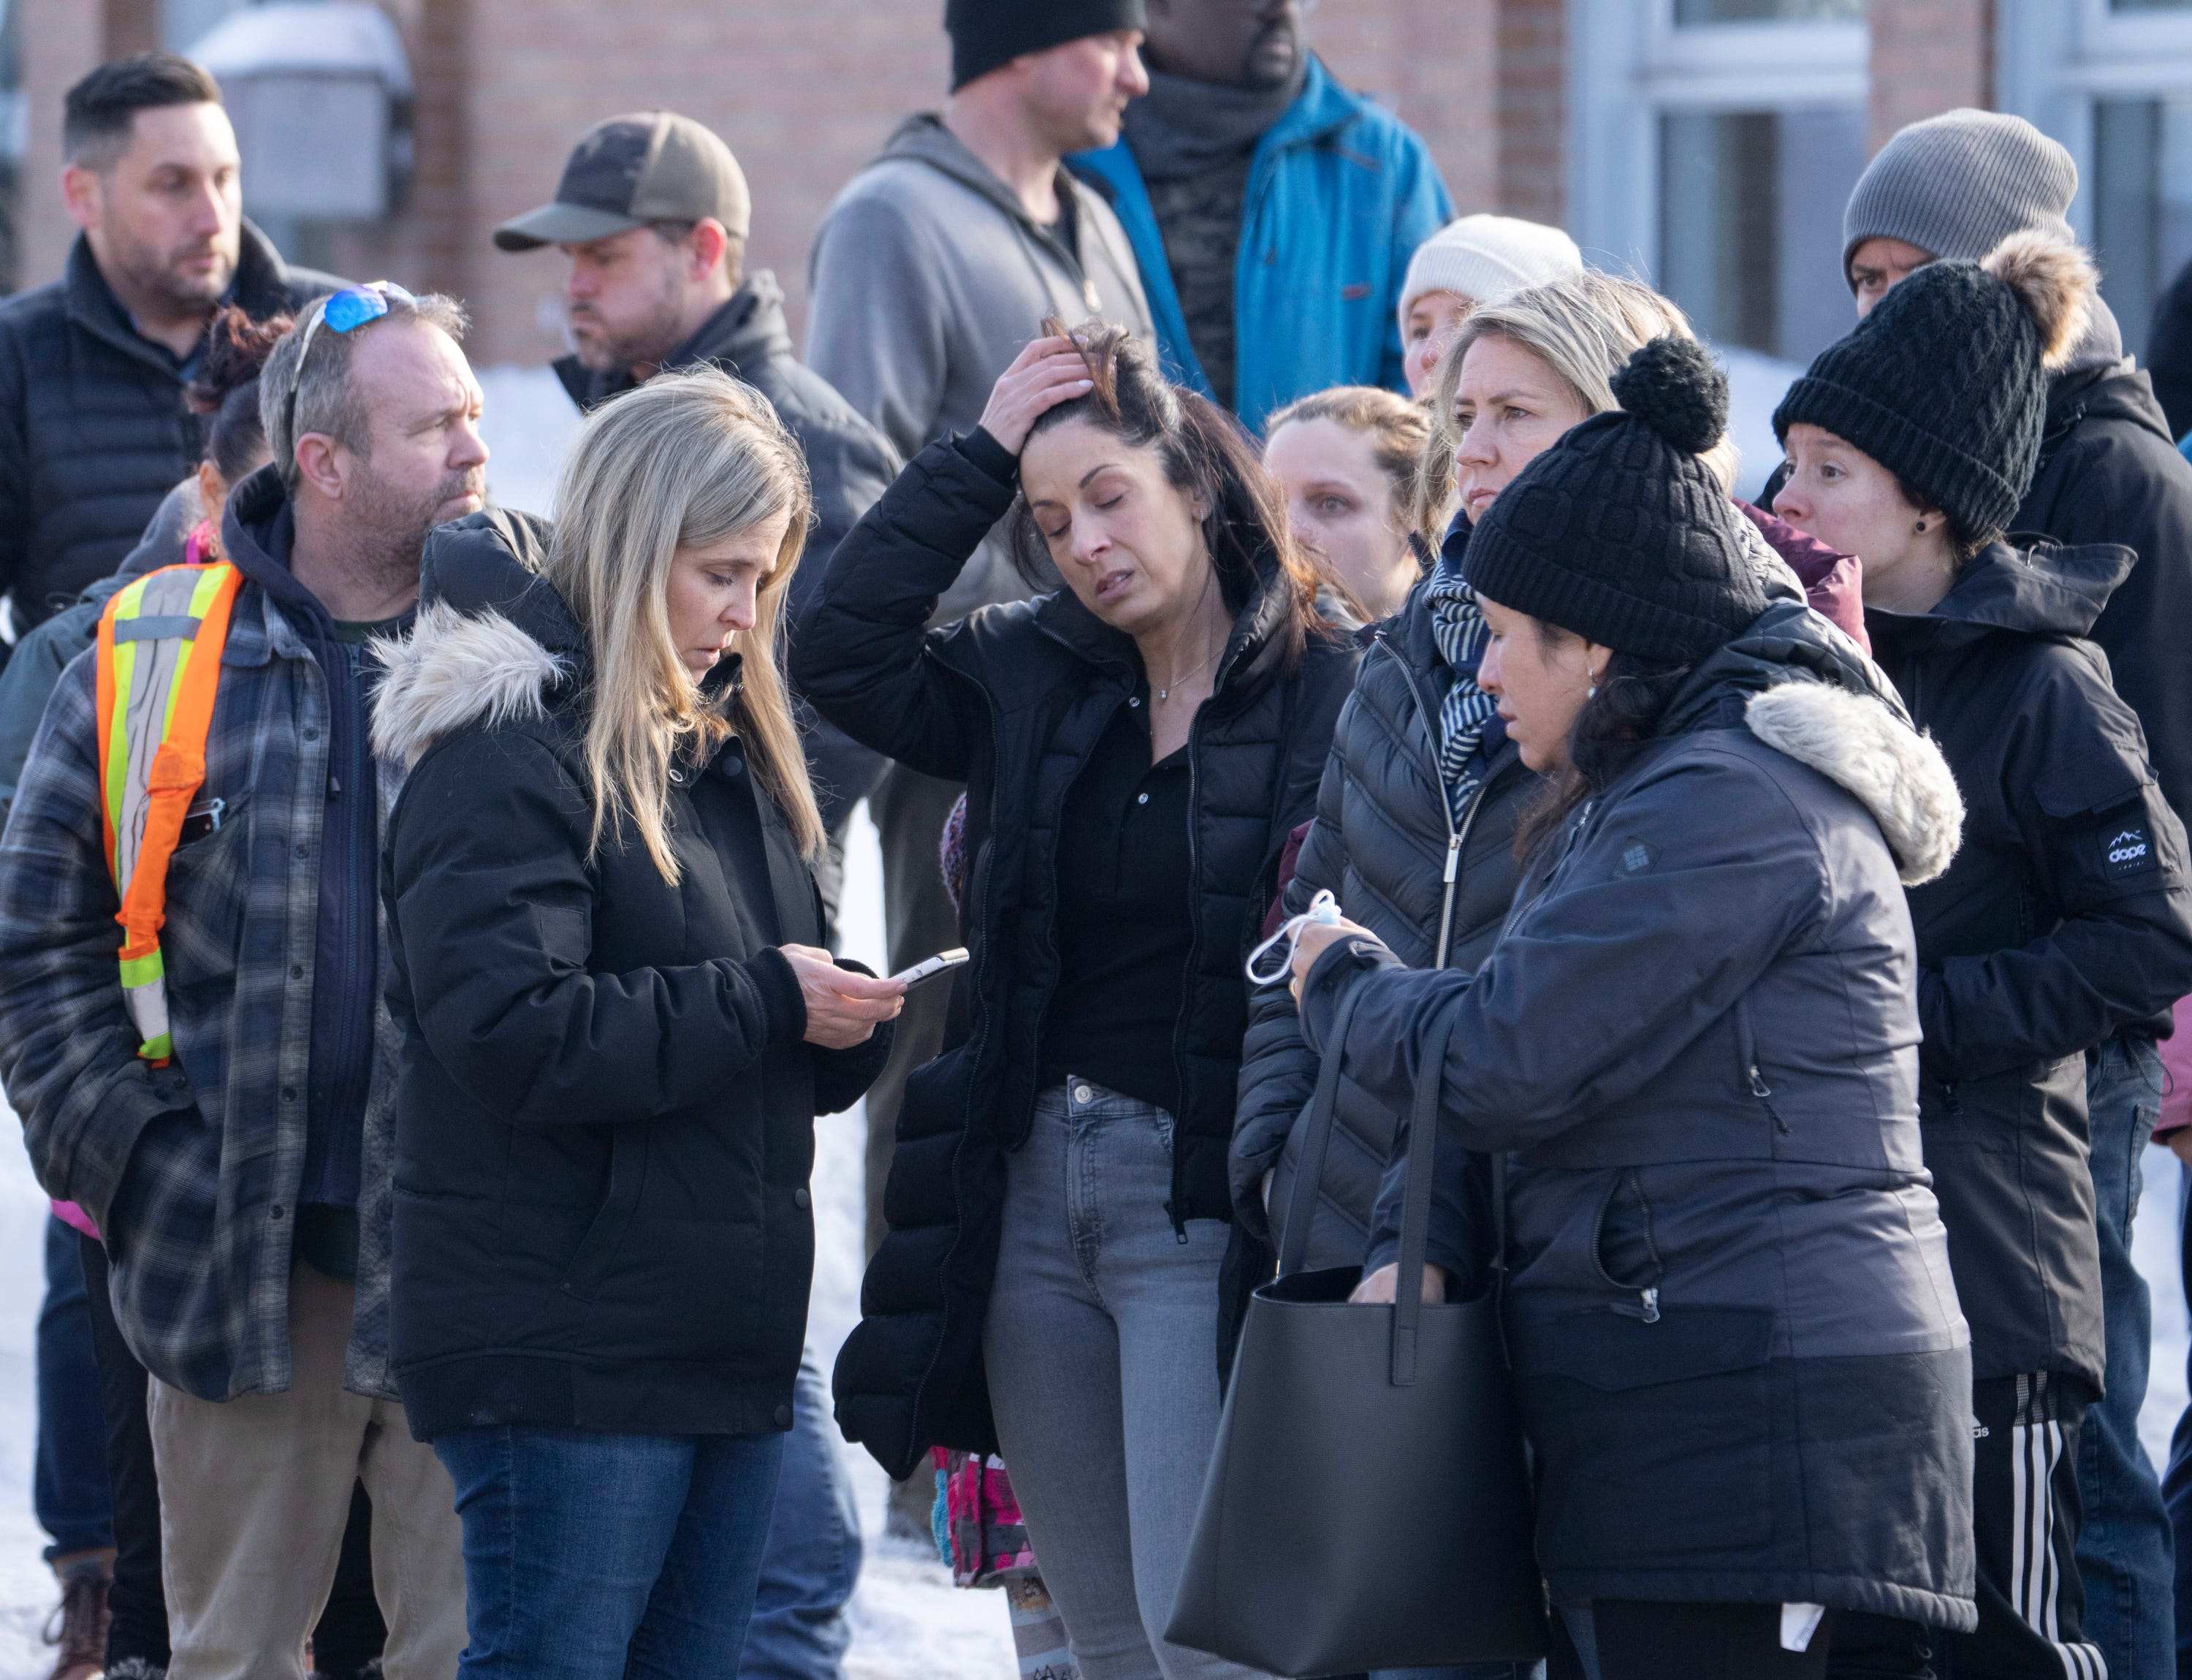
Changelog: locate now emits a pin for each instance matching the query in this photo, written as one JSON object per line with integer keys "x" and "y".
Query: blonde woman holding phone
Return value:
{"x": 619, "y": 1026}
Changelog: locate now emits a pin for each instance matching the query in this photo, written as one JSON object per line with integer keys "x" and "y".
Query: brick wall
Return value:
{"x": 1928, "y": 56}
{"x": 804, "y": 94}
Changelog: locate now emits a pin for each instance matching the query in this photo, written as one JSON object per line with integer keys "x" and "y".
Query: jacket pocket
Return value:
{"x": 208, "y": 889}
{"x": 605, "y": 1234}
{"x": 1655, "y": 1440}
{"x": 1624, "y": 1251}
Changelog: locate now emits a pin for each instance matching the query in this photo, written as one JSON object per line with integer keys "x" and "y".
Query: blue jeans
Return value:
{"x": 2125, "y": 1554}
{"x": 799, "y": 1630}
{"x": 69, "y": 1486}
{"x": 602, "y": 1557}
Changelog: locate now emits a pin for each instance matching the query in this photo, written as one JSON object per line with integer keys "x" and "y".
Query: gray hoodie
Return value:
{"x": 928, "y": 277}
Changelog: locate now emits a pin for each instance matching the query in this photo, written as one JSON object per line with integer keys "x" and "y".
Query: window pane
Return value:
{"x": 2142, "y": 205}
{"x": 1690, "y": 12}
{"x": 1751, "y": 223}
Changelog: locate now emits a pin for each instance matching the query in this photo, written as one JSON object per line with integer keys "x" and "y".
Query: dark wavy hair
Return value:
{"x": 225, "y": 395}
{"x": 1609, "y": 732}
{"x": 1206, "y": 454}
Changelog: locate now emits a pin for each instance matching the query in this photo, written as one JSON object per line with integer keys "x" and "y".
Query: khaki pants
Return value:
{"x": 254, "y": 1493}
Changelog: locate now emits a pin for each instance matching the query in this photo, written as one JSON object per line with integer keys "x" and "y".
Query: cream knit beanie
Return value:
{"x": 1485, "y": 257}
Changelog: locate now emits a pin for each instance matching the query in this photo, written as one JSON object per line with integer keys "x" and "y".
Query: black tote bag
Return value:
{"x": 1368, "y": 1505}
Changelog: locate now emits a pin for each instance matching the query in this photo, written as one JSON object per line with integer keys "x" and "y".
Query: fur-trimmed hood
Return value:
{"x": 491, "y": 642}
{"x": 1896, "y": 773}
{"x": 454, "y": 671}
{"x": 1807, "y": 691}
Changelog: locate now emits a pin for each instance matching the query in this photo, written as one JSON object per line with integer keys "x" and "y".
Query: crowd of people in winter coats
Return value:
{"x": 1317, "y": 683}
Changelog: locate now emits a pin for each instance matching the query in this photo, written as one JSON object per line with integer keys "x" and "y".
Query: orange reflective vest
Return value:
{"x": 159, "y": 643}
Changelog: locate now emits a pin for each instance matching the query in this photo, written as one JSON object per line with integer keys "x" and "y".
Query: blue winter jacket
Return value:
{"x": 1340, "y": 193}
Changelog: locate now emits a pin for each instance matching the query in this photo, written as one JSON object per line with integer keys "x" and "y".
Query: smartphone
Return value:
{"x": 942, "y": 964}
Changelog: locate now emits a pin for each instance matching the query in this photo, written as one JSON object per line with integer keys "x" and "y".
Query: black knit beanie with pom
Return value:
{"x": 1946, "y": 383}
{"x": 1619, "y": 533}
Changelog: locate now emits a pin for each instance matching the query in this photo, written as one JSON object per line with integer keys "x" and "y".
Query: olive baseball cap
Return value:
{"x": 648, "y": 167}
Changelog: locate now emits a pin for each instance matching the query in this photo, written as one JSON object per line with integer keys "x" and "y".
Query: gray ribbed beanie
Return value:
{"x": 1959, "y": 184}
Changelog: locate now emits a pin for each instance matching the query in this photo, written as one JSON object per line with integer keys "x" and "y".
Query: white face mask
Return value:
{"x": 1323, "y": 909}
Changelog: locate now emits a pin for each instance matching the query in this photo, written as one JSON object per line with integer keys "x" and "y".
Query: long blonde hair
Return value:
{"x": 685, "y": 461}
{"x": 1583, "y": 328}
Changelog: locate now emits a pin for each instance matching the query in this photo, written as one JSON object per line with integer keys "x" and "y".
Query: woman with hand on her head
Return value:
{"x": 2065, "y": 925}
{"x": 1366, "y": 490}
{"x": 617, "y": 1027}
{"x": 1740, "y": 1365}
{"x": 1137, "y": 745}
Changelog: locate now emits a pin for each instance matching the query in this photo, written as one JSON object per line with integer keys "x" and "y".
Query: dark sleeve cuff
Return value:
{"x": 992, "y": 456}
{"x": 1343, "y": 961}
{"x": 772, "y": 975}
{"x": 841, "y": 1077}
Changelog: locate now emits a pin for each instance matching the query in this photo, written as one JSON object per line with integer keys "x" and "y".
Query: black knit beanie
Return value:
{"x": 1946, "y": 383}
{"x": 1619, "y": 533}
{"x": 987, "y": 33}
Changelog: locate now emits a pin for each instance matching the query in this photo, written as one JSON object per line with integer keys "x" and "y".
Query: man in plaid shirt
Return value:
{"x": 243, "y": 1190}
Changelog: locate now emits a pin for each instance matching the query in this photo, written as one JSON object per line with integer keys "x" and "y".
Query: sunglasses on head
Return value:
{"x": 345, "y": 311}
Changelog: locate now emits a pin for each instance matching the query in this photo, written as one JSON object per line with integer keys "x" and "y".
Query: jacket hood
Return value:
{"x": 923, "y": 138}
{"x": 165, "y": 539}
{"x": 257, "y": 529}
{"x": 491, "y": 641}
{"x": 2116, "y": 390}
{"x": 2033, "y": 586}
{"x": 1805, "y": 689}
{"x": 748, "y": 330}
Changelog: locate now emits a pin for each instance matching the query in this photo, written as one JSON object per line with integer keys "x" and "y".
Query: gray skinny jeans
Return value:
{"x": 1101, "y": 1347}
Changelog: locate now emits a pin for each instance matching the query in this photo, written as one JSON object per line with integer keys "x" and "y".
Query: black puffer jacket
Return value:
{"x": 1012, "y": 701}
{"x": 92, "y": 429}
{"x": 1381, "y": 844}
{"x": 2109, "y": 472}
{"x": 848, "y": 464}
{"x": 605, "y": 1111}
{"x": 1740, "y": 1358}
{"x": 2066, "y": 916}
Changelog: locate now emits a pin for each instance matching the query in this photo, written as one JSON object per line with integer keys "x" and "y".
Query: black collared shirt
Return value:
{"x": 1125, "y": 922}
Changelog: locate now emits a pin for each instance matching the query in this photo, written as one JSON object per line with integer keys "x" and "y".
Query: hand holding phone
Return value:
{"x": 942, "y": 964}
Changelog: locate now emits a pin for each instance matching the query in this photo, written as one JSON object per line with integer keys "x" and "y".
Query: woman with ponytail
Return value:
{"x": 2066, "y": 920}
{"x": 1138, "y": 744}
{"x": 1692, "y": 1049}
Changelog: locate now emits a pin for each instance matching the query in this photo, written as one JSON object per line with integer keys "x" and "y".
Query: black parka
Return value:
{"x": 604, "y": 1115}
{"x": 848, "y": 464}
{"x": 1381, "y": 845}
{"x": 94, "y": 432}
{"x": 2066, "y": 916}
{"x": 1012, "y": 701}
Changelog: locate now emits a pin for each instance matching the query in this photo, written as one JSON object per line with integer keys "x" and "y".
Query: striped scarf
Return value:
{"x": 1458, "y": 627}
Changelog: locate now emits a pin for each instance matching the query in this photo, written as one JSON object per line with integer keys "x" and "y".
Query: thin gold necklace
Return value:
{"x": 1165, "y": 693}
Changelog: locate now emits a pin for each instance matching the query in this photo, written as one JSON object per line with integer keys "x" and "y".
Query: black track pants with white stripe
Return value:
{"x": 2025, "y": 1511}
{"x": 2026, "y": 1508}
